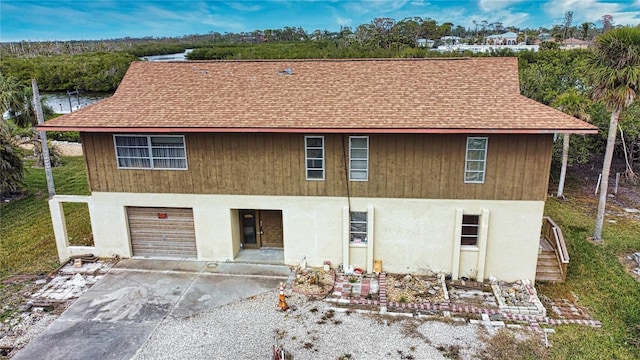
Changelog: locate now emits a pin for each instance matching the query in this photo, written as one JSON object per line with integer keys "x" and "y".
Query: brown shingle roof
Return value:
{"x": 374, "y": 95}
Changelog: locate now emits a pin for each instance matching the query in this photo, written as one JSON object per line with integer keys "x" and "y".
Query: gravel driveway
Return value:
{"x": 247, "y": 330}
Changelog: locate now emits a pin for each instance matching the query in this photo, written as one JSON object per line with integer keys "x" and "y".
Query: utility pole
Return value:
{"x": 43, "y": 139}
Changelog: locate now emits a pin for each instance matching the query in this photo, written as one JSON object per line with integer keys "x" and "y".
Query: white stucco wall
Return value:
{"x": 408, "y": 235}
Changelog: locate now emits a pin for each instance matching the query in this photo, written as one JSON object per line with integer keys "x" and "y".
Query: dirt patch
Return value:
{"x": 414, "y": 289}
{"x": 509, "y": 345}
{"x": 64, "y": 148}
{"x": 313, "y": 282}
{"x": 583, "y": 178}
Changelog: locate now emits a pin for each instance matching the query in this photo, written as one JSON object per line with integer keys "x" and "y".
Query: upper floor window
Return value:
{"x": 358, "y": 227}
{"x": 476, "y": 159}
{"x": 470, "y": 227}
{"x": 314, "y": 157}
{"x": 358, "y": 158}
{"x": 150, "y": 151}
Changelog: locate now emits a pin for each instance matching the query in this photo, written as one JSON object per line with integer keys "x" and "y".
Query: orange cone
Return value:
{"x": 282, "y": 301}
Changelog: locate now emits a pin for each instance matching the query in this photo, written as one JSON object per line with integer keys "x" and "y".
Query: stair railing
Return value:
{"x": 552, "y": 232}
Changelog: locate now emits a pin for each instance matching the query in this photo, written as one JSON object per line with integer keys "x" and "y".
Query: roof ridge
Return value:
{"x": 318, "y": 60}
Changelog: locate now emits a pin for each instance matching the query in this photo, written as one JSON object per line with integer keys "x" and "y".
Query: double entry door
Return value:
{"x": 261, "y": 229}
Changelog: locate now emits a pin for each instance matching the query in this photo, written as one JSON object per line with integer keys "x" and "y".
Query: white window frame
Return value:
{"x": 149, "y": 146}
{"x": 307, "y": 158}
{"x": 357, "y": 234}
{"x": 469, "y": 173}
{"x": 475, "y": 236}
{"x": 353, "y": 158}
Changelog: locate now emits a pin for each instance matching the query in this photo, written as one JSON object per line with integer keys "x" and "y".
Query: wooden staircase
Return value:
{"x": 548, "y": 269}
{"x": 553, "y": 259}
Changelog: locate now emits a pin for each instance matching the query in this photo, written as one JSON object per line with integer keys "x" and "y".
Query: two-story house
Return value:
{"x": 424, "y": 164}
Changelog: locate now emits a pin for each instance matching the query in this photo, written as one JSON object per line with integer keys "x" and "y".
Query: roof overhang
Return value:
{"x": 589, "y": 130}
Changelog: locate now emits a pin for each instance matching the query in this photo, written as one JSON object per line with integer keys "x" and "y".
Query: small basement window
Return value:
{"x": 358, "y": 229}
{"x": 470, "y": 230}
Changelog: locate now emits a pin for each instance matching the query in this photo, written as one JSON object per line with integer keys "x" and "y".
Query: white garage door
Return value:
{"x": 162, "y": 232}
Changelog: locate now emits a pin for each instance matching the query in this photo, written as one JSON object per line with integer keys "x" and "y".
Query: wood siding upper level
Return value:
{"x": 400, "y": 166}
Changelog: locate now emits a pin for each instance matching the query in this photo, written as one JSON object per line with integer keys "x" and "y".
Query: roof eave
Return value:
{"x": 109, "y": 129}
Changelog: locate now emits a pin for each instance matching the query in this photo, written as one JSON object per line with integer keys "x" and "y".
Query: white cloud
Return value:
{"x": 245, "y": 7}
{"x": 592, "y": 11}
{"x": 504, "y": 11}
{"x": 465, "y": 18}
{"x": 494, "y": 5}
{"x": 343, "y": 21}
{"x": 153, "y": 19}
{"x": 516, "y": 19}
{"x": 375, "y": 6}
{"x": 423, "y": 3}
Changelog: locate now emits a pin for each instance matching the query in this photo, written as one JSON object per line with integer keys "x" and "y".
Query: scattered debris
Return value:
{"x": 43, "y": 300}
{"x": 515, "y": 294}
{"x": 472, "y": 293}
{"x": 631, "y": 263}
{"x": 312, "y": 281}
{"x": 414, "y": 289}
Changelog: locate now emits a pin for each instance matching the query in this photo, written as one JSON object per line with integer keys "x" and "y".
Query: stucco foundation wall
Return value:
{"x": 418, "y": 235}
{"x": 312, "y": 226}
{"x": 408, "y": 235}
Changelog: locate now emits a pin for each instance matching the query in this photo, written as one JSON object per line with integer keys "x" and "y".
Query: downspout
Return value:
{"x": 346, "y": 216}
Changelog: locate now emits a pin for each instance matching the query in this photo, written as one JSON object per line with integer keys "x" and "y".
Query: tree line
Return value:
{"x": 96, "y": 72}
{"x": 98, "y": 65}
{"x": 383, "y": 32}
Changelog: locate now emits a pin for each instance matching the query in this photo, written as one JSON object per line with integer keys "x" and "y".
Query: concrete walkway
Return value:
{"x": 116, "y": 316}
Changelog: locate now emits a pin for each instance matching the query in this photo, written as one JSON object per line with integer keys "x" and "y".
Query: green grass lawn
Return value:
{"x": 596, "y": 278}
{"x": 598, "y": 281}
{"x": 28, "y": 245}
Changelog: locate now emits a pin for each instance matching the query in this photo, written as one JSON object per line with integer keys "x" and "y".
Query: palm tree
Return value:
{"x": 575, "y": 104}
{"x": 17, "y": 100}
{"x": 585, "y": 27}
{"x": 11, "y": 167}
{"x": 614, "y": 72}
{"x": 12, "y": 96}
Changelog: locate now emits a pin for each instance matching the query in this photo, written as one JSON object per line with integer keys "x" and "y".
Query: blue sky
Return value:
{"x": 105, "y": 19}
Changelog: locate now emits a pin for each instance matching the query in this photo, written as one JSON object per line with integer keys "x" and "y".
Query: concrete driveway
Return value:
{"x": 116, "y": 316}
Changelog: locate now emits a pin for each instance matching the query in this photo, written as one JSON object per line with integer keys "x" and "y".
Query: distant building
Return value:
{"x": 428, "y": 43}
{"x": 508, "y": 38}
{"x": 573, "y": 43}
{"x": 451, "y": 40}
{"x": 487, "y": 48}
{"x": 543, "y": 36}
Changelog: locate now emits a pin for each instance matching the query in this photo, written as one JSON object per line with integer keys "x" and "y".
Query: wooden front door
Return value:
{"x": 271, "y": 228}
